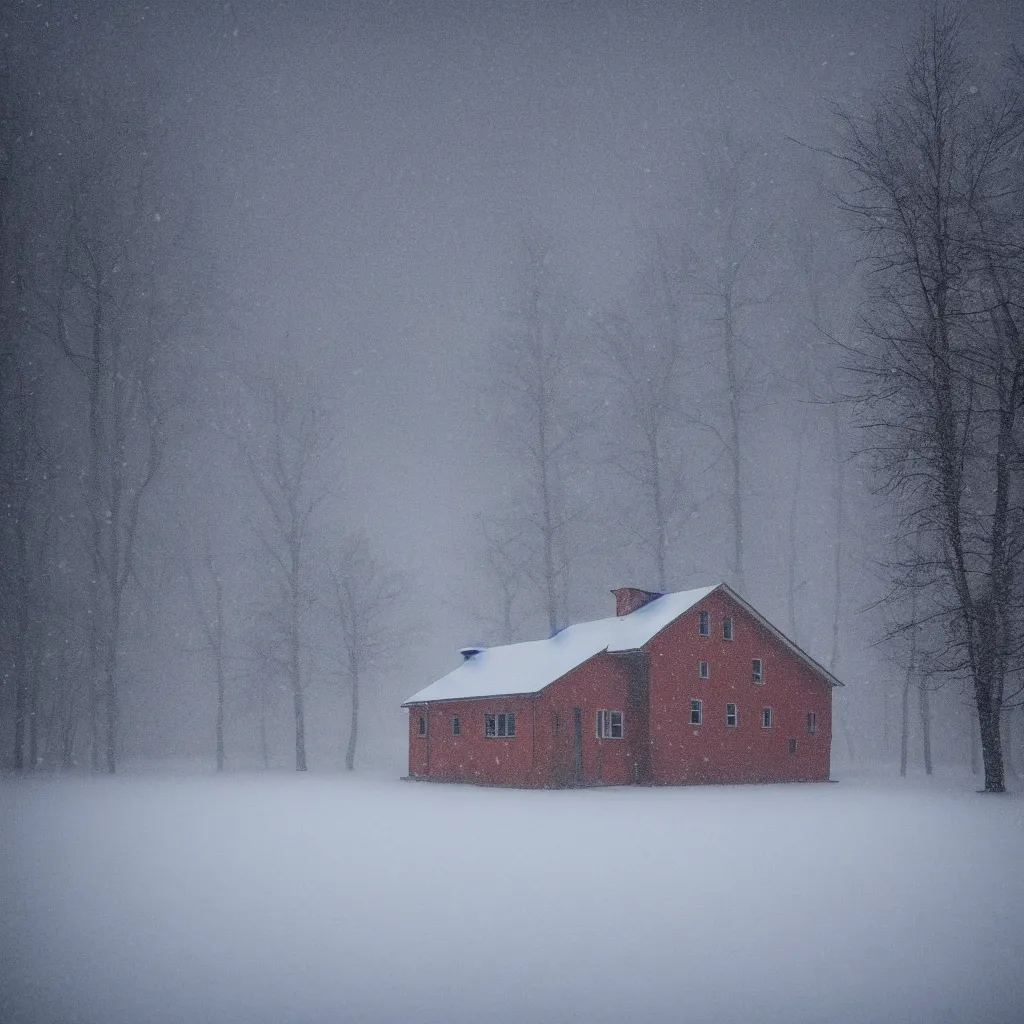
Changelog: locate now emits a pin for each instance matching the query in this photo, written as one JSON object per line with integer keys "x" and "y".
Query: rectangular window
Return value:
{"x": 756, "y": 671}
{"x": 703, "y": 671}
{"x": 500, "y": 726}
{"x": 696, "y": 711}
{"x": 609, "y": 725}
{"x": 705, "y": 623}
{"x": 766, "y": 718}
{"x": 812, "y": 722}
{"x": 727, "y": 629}
{"x": 792, "y": 746}
{"x": 554, "y": 723}
{"x": 423, "y": 725}
{"x": 456, "y": 726}
{"x": 732, "y": 716}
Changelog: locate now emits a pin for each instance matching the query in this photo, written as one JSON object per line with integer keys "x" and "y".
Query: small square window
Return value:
{"x": 609, "y": 725}
{"x": 727, "y": 629}
{"x": 766, "y": 718}
{"x": 705, "y": 624}
{"x": 696, "y": 712}
{"x": 423, "y": 725}
{"x": 756, "y": 671}
{"x": 703, "y": 671}
{"x": 456, "y": 726}
{"x": 792, "y": 746}
{"x": 732, "y": 716}
{"x": 812, "y": 722}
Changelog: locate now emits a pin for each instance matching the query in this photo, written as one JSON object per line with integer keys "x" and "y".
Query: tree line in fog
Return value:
{"x": 806, "y": 383}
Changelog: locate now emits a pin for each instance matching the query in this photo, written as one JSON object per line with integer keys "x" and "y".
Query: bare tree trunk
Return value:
{"x": 18, "y": 509}
{"x": 295, "y": 674}
{"x": 905, "y": 720}
{"x": 991, "y": 746}
{"x": 21, "y": 640}
{"x": 924, "y": 696}
{"x": 734, "y": 387}
{"x": 353, "y": 734}
{"x": 1008, "y": 749}
{"x": 908, "y": 681}
{"x": 35, "y": 686}
{"x": 973, "y": 729}
{"x": 793, "y": 532}
{"x": 839, "y": 505}
{"x": 113, "y": 710}
{"x": 264, "y": 748}
{"x": 220, "y": 716}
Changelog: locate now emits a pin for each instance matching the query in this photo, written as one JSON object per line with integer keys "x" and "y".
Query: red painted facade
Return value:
{"x": 556, "y": 740}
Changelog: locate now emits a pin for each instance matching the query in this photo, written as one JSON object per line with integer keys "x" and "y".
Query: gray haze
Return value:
{"x": 361, "y": 179}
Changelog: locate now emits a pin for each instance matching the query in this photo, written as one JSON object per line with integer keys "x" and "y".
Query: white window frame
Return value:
{"x": 499, "y": 725}
{"x": 766, "y": 718}
{"x": 728, "y": 629}
{"x": 607, "y": 724}
{"x": 696, "y": 708}
{"x": 703, "y": 670}
{"x": 734, "y": 715}
{"x": 812, "y": 723}
{"x": 704, "y": 624}
{"x": 756, "y": 671}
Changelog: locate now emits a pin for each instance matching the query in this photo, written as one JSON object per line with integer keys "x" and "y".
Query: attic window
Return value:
{"x": 423, "y": 725}
{"x": 609, "y": 725}
{"x": 705, "y": 623}
{"x": 500, "y": 726}
{"x": 812, "y": 722}
{"x": 456, "y": 726}
{"x": 726, "y": 629}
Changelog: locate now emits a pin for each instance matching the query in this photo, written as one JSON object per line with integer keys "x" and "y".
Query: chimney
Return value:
{"x": 629, "y": 599}
{"x": 469, "y": 652}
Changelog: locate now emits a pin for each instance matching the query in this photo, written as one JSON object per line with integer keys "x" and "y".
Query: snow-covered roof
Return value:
{"x": 529, "y": 667}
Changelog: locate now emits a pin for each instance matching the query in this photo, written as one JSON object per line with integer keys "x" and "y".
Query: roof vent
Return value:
{"x": 468, "y": 652}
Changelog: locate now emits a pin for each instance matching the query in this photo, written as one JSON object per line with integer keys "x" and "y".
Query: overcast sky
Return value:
{"x": 369, "y": 169}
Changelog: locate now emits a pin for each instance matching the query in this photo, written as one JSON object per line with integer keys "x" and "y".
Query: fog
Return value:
{"x": 338, "y": 336}
{"x": 342, "y": 199}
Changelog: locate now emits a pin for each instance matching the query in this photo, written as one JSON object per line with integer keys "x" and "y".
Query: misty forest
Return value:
{"x": 335, "y": 337}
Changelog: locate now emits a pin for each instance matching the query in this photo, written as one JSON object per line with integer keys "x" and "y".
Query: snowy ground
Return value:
{"x": 270, "y": 899}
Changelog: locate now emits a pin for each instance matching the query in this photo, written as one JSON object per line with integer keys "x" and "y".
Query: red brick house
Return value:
{"x": 693, "y": 687}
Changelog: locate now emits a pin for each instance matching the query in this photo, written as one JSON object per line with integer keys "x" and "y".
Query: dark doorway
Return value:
{"x": 577, "y": 746}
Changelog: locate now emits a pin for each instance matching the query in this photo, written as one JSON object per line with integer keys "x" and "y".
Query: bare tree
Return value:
{"x": 534, "y": 374}
{"x": 20, "y": 506}
{"x": 506, "y": 560}
{"x": 644, "y": 345}
{"x": 206, "y": 585}
{"x": 281, "y": 447}
{"x": 936, "y": 166}
{"x": 725, "y": 268}
{"x": 363, "y": 598}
